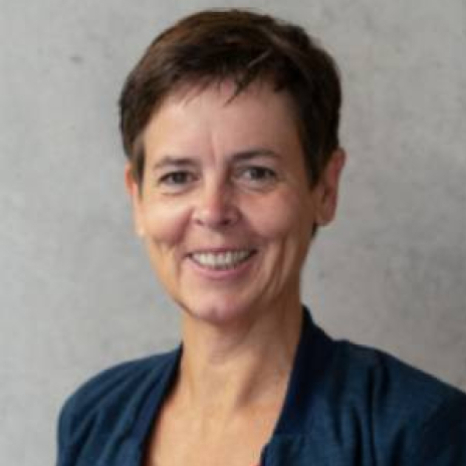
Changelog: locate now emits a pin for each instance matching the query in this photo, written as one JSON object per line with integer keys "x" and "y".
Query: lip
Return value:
{"x": 221, "y": 274}
{"x": 219, "y": 250}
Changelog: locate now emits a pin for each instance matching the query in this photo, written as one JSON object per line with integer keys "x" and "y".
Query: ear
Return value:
{"x": 133, "y": 190}
{"x": 327, "y": 188}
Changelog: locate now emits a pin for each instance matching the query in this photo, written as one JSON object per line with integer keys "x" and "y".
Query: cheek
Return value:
{"x": 273, "y": 225}
{"x": 165, "y": 223}
{"x": 284, "y": 219}
{"x": 285, "y": 235}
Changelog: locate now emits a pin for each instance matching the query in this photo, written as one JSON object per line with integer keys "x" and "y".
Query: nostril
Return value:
{"x": 216, "y": 206}
{"x": 216, "y": 216}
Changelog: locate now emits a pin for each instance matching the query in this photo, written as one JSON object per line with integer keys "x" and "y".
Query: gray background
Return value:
{"x": 77, "y": 292}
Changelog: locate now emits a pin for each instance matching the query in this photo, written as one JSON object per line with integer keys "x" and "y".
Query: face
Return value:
{"x": 225, "y": 207}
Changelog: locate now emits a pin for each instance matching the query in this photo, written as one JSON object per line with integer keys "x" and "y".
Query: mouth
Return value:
{"x": 224, "y": 260}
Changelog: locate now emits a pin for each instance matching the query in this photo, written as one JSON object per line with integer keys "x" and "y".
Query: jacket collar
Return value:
{"x": 306, "y": 379}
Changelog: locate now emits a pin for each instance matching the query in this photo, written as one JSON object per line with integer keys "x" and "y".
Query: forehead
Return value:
{"x": 215, "y": 114}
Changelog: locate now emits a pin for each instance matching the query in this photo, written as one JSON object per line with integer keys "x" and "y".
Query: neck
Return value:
{"x": 230, "y": 369}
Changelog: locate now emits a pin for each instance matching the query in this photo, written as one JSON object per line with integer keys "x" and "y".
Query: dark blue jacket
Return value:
{"x": 346, "y": 405}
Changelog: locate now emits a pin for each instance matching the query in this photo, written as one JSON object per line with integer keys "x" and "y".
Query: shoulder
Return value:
{"x": 352, "y": 404}
{"x": 114, "y": 384}
{"x": 110, "y": 401}
{"x": 406, "y": 411}
{"x": 388, "y": 379}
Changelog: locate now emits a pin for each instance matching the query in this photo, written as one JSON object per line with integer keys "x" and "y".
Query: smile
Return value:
{"x": 221, "y": 260}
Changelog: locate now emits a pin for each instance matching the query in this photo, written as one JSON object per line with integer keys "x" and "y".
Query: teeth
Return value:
{"x": 221, "y": 261}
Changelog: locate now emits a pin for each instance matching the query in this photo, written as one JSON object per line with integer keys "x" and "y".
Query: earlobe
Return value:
{"x": 328, "y": 188}
{"x": 132, "y": 188}
{"x": 130, "y": 182}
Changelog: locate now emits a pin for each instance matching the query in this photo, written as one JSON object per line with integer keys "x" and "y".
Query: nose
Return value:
{"x": 216, "y": 207}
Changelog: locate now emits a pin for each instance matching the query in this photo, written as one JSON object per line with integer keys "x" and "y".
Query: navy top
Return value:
{"x": 346, "y": 405}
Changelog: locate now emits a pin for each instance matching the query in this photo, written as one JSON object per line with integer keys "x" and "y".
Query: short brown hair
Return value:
{"x": 213, "y": 46}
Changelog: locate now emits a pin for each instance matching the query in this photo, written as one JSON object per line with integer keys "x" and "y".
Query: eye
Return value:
{"x": 176, "y": 181}
{"x": 176, "y": 178}
{"x": 258, "y": 173}
{"x": 257, "y": 177}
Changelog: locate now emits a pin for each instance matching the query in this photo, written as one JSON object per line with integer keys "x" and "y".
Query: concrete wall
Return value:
{"x": 77, "y": 292}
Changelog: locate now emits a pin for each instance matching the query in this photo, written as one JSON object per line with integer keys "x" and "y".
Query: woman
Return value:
{"x": 230, "y": 125}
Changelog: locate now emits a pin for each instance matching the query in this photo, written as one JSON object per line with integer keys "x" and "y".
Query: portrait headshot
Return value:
{"x": 234, "y": 234}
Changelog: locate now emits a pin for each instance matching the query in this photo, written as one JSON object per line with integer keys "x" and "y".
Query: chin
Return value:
{"x": 219, "y": 312}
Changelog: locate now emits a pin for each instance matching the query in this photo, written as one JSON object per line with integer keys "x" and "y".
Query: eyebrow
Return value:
{"x": 171, "y": 160}
{"x": 253, "y": 153}
{"x": 242, "y": 156}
